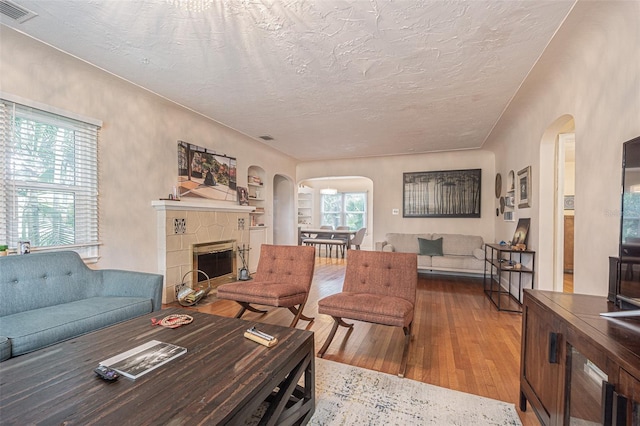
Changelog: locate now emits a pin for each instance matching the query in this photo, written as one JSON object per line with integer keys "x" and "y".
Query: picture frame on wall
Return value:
{"x": 446, "y": 193}
{"x": 203, "y": 173}
{"x": 524, "y": 188}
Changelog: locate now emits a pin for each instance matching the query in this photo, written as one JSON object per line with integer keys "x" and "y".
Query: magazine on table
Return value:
{"x": 144, "y": 358}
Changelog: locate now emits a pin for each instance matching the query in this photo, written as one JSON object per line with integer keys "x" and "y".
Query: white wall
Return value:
{"x": 386, "y": 174}
{"x": 591, "y": 72}
{"x": 138, "y": 142}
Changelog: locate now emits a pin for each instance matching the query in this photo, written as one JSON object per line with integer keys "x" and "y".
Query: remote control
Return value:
{"x": 106, "y": 373}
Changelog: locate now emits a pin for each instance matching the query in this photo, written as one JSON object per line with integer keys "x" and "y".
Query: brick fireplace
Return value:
{"x": 181, "y": 225}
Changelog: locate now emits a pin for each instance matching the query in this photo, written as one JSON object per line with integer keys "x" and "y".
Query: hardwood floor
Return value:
{"x": 460, "y": 341}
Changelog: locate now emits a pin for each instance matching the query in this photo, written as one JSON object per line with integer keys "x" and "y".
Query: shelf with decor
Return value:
{"x": 504, "y": 264}
{"x": 257, "y": 196}
{"x": 305, "y": 209}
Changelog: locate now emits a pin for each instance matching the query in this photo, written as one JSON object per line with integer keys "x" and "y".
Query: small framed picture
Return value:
{"x": 524, "y": 187}
{"x": 522, "y": 232}
{"x": 243, "y": 195}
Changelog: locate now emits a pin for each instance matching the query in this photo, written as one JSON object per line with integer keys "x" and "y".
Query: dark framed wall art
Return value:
{"x": 524, "y": 188}
{"x": 446, "y": 193}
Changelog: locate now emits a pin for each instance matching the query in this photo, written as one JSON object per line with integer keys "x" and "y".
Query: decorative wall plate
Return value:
{"x": 498, "y": 185}
{"x": 502, "y": 204}
{"x": 569, "y": 202}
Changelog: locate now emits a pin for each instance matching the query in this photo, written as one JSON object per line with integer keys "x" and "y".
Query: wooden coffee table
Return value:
{"x": 222, "y": 379}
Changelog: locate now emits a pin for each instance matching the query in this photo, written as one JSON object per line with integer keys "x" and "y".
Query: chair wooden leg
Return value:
{"x": 247, "y": 306}
{"x": 336, "y": 322}
{"x": 298, "y": 315}
{"x": 240, "y": 312}
{"x": 405, "y": 351}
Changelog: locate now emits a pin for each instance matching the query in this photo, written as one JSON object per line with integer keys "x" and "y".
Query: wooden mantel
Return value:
{"x": 200, "y": 205}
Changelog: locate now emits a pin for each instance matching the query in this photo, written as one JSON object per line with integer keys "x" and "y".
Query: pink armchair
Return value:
{"x": 283, "y": 280}
{"x": 379, "y": 288}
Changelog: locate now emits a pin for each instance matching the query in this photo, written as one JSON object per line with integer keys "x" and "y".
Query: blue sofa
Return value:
{"x": 49, "y": 297}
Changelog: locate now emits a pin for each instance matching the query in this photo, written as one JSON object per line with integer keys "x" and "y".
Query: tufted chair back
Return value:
{"x": 286, "y": 265}
{"x": 382, "y": 273}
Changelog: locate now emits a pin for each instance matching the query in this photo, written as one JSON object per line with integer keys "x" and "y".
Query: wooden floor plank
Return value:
{"x": 460, "y": 341}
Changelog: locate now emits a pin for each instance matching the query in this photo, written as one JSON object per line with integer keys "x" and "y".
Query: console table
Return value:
{"x": 578, "y": 367}
{"x": 223, "y": 378}
{"x": 501, "y": 261}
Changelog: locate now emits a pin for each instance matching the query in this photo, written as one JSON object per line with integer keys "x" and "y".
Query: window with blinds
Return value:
{"x": 49, "y": 180}
{"x": 344, "y": 209}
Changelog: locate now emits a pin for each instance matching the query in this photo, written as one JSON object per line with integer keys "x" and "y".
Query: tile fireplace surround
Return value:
{"x": 180, "y": 224}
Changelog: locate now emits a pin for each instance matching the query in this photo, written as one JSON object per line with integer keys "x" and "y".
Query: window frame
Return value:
{"x": 82, "y": 187}
{"x": 343, "y": 213}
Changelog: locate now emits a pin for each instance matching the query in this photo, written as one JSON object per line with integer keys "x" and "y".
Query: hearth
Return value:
{"x": 217, "y": 259}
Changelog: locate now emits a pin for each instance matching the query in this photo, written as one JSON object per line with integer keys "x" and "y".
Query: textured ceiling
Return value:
{"x": 326, "y": 79}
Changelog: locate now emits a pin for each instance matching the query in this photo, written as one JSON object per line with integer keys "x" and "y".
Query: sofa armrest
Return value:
{"x": 133, "y": 284}
{"x": 380, "y": 245}
{"x": 478, "y": 253}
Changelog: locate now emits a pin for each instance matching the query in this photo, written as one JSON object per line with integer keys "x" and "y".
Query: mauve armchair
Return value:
{"x": 380, "y": 288}
{"x": 282, "y": 279}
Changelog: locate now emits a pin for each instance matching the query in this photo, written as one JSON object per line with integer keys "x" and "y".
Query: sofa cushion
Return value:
{"x": 37, "y": 328}
{"x": 406, "y": 243}
{"x": 424, "y": 262}
{"x": 459, "y": 245}
{"x": 430, "y": 247}
{"x": 463, "y": 263}
{"x": 44, "y": 279}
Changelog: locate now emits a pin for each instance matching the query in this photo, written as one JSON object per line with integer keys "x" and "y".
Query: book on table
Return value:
{"x": 142, "y": 359}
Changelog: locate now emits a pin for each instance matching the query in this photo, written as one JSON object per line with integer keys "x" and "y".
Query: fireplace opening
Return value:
{"x": 216, "y": 259}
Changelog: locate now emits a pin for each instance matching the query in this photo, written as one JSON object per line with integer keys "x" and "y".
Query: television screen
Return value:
{"x": 629, "y": 274}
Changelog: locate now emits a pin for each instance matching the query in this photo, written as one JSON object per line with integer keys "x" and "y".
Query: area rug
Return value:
{"x": 347, "y": 395}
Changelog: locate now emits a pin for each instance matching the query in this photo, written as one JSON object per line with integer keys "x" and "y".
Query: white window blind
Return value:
{"x": 49, "y": 180}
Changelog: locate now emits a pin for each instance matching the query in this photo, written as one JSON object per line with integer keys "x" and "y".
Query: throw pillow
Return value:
{"x": 430, "y": 247}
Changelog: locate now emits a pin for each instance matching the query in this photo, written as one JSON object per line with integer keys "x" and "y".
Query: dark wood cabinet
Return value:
{"x": 576, "y": 366}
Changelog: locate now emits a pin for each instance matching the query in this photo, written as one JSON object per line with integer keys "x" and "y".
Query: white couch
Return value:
{"x": 460, "y": 253}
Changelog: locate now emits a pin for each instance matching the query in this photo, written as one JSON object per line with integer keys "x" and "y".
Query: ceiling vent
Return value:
{"x": 15, "y": 12}
{"x": 266, "y": 138}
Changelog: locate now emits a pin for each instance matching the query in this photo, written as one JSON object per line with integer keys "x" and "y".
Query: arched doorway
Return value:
{"x": 284, "y": 229}
{"x": 552, "y": 192}
{"x": 310, "y": 208}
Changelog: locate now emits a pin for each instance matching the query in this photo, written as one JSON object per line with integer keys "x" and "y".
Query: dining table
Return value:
{"x": 346, "y": 234}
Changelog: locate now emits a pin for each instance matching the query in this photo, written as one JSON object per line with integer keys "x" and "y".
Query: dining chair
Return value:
{"x": 356, "y": 241}
{"x": 379, "y": 288}
{"x": 282, "y": 279}
{"x": 343, "y": 238}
